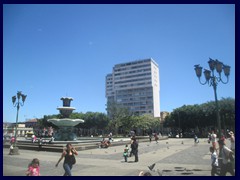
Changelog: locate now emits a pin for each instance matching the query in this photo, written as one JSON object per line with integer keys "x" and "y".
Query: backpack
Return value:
{"x": 134, "y": 145}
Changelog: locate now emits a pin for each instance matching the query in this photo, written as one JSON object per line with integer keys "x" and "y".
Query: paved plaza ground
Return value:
{"x": 172, "y": 157}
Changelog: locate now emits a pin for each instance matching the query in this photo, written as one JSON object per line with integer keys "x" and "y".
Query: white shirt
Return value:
{"x": 213, "y": 137}
{"x": 225, "y": 154}
{"x": 232, "y": 140}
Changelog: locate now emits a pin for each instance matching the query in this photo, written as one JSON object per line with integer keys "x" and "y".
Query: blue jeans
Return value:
{"x": 67, "y": 168}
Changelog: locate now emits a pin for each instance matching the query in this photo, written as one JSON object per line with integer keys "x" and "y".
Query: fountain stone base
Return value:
{"x": 65, "y": 134}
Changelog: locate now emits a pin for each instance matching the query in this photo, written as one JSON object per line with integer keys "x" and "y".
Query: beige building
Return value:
{"x": 9, "y": 129}
{"x": 163, "y": 115}
{"x": 135, "y": 85}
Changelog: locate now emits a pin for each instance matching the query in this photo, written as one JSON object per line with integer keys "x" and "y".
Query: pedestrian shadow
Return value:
{"x": 123, "y": 161}
{"x": 131, "y": 161}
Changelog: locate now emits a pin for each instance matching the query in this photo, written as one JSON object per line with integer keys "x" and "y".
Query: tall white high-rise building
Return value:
{"x": 135, "y": 85}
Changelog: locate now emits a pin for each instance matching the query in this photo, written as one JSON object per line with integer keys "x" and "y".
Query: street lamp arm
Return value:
{"x": 201, "y": 82}
{"x": 224, "y": 82}
{"x": 17, "y": 104}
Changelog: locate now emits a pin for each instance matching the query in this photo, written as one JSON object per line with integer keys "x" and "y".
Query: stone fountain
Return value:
{"x": 65, "y": 124}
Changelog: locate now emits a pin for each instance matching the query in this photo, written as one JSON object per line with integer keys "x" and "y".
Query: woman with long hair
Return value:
{"x": 69, "y": 159}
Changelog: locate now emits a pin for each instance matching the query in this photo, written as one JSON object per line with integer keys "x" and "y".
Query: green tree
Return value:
{"x": 117, "y": 114}
{"x": 202, "y": 116}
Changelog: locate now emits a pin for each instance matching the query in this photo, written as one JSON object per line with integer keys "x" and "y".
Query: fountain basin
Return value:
{"x": 66, "y": 122}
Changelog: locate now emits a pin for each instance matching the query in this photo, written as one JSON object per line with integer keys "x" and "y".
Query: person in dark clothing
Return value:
{"x": 40, "y": 141}
{"x": 150, "y": 137}
{"x": 134, "y": 147}
{"x": 68, "y": 154}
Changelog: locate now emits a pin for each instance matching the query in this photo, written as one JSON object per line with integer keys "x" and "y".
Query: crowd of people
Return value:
{"x": 222, "y": 156}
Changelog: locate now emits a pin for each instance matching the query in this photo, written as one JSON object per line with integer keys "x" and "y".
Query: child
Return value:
{"x": 33, "y": 168}
{"x": 125, "y": 152}
{"x": 126, "y": 147}
{"x": 142, "y": 173}
{"x": 196, "y": 139}
{"x": 214, "y": 159}
{"x": 11, "y": 150}
{"x": 125, "y": 155}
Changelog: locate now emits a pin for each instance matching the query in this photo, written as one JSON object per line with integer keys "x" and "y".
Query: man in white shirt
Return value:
{"x": 214, "y": 140}
{"x": 226, "y": 154}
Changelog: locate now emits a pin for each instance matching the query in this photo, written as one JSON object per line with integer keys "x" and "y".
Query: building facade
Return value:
{"x": 163, "y": 115}
{"x": 135, "y": 85}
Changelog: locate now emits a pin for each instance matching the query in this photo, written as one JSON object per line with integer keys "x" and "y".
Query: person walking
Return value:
{"x": 69, "y": 159}
{"x": 196, "y": 141}
{"x": 125, "y": 154}
{"x": 214, "y": 140}
{"x": 127, "y": 149}
{"x": 40, "y": 141}
{"x": 209, "y": 138}
{"x": 156, "y": 137}
{"x": 226, "y": 154}
{"x": 33, "y": 168}
{"x": 232, "y": 140}
{"x": 11, "y": 149}
{"x": 134, "y": 147}
{"x": 150, "y": 137}
{"x": 131, "y": 152}
{"x": 12, "y": 141}
{"x": 110, "y": 137}
{"x": 214, "y": 160}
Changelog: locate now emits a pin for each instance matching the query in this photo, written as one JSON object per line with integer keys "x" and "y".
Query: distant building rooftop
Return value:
{"x": 31, "y": 121}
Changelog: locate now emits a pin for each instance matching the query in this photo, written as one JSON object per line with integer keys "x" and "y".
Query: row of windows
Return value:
{"x": 109, "y": 89}
{"x": 132, "y": 63}
{"x": 132, "y": 76}
{"x": 134, "y": 80}
{"x": 132, "y": 72}
{"x": 109, "y": 78}
{"x": 134, "y": 85}
{"x": 142, "y": 112}
{"x": 136, "y": 90}
{"x": 135, "y": 103}
{"x": 146, "y": 94}
{"x": 130, "y": 97}
{"x": 136, "y": 108}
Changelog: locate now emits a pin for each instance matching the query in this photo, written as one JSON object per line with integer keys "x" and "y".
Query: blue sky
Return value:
{"x": 51, "y": 51}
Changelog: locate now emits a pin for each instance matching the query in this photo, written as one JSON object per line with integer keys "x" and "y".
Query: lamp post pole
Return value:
{"x": 213, "y": 80}
{"x": 217, "y": 108}
{"x": 17, "y": 104}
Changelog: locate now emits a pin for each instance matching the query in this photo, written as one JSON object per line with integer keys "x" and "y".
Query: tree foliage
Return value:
{"x": 120, "y": 120}
{"x": 203, "y": 115}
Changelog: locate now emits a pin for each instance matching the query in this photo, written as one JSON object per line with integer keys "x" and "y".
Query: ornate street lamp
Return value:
{"x": 213, "y": 80}
{"x": 17, "y": 104}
